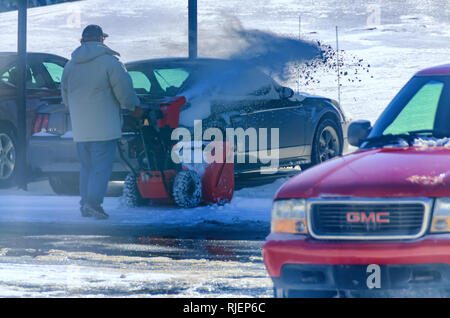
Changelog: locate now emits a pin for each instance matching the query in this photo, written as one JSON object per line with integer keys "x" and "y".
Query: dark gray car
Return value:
{"x": 311, "y": 129}
{"x": 42, "y": 87}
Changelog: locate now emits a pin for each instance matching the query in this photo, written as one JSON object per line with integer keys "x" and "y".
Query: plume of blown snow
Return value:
{"x": 236, "y": 79}
{"x": 271, "y": 52}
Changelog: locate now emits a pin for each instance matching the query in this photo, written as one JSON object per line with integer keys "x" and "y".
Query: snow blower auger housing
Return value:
{"x": 159, "y": 179}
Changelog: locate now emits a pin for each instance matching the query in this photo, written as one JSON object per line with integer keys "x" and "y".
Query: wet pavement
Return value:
{"x": 54, "y": 260}
{"x": 57, "y": 253}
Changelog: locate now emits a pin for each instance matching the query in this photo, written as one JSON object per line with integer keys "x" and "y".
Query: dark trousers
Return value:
{"x": 97, "y": 158}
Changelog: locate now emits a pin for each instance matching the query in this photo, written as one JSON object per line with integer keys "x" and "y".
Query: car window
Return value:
{"x": 6, "y": 78}
{"x": 33, "y": 79}
{"x": 141, "y": 83}
{"x": 171, "y": 79}
{"x": 247, "y": 82}
{"x": 55, "y": 71}
{"x": 420, "y": 112}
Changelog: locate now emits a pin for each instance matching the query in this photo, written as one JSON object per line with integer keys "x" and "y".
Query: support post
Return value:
{"x": 192, "y": 28}
{"x": 21, "y": 94}
{"x": 338, "y": 66}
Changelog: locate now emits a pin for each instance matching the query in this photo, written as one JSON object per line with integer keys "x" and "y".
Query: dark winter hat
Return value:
{"x": 92, "y": 32}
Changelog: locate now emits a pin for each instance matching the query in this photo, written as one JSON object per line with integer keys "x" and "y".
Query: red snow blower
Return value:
{"x": 158, "y": 179}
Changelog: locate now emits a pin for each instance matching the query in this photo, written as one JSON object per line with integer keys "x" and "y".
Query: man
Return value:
{"x": 95, "y": 86}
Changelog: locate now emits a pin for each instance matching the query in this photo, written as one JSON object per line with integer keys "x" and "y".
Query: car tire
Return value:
{"x": 8, "y": 167}
{"x": 131, "y": 196}
{"x": 187, "y": 189}
{"x": 65, "y": 183}
{"x": 326, "y": 143}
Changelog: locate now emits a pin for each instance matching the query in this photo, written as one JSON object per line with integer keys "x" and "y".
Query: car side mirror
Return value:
{"x": 358, "y": 132}
{"x": 286, "y": 92}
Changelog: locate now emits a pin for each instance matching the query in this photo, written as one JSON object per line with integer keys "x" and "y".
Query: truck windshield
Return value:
{"x": 422, "y": 107}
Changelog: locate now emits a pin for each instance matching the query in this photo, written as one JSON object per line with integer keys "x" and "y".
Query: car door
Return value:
{"x": 282, "y": 118}
{"x": 38, "y": 89}
{"x": 35, "y": 90}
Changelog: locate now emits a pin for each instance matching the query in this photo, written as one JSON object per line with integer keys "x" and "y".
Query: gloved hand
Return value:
{"x": 137, "y": 113}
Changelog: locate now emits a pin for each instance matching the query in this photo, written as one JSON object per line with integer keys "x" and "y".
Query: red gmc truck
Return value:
{"x": 376, "y": 221}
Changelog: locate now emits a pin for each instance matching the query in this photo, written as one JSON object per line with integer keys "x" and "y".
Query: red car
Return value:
{"x": 376, "y": 221}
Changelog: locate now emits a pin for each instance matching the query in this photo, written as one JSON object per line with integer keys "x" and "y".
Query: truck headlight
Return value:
{"x": 441, "y": 216}
{"x": 289, "y": 216}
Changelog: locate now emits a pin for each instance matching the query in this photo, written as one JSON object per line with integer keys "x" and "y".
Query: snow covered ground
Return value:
{"x": 39, "y": 204}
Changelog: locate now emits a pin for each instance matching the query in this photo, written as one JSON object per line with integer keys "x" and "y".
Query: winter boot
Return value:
{"x": 84, "y": 212}
{"x": 97, "y": 212}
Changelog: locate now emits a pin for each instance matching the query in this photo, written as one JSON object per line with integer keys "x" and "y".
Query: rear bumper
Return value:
{"x": 286, "y": 254}
{"x": 53, "y": 154}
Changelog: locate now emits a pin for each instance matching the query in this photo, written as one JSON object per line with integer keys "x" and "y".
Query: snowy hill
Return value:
{"x": 412, "y": 34}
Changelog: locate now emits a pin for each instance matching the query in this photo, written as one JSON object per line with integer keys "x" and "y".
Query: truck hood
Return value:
{"x": 386, "y": 172}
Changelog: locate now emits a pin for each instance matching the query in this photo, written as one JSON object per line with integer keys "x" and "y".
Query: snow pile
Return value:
{"x": 248, "y": 205}
{"x": 421, "y": 142}
{"x": 43, "y": 133}
{"x": 52, "y": 280}
{"x": 424, "y": 142}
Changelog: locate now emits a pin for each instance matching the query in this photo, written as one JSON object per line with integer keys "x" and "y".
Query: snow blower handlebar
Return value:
{"x": 165, "y": 114}
{"x": 154, "y": 130}
{"x": 151, "y": 114}
{"x": 166, "y": 117}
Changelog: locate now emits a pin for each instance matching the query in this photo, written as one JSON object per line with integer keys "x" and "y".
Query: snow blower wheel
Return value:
{"x": 131, "y": 194}
{"x": 187, "y": 189}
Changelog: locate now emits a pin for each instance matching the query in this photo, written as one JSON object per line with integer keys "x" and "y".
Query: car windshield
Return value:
{"x": 421, "y": 108}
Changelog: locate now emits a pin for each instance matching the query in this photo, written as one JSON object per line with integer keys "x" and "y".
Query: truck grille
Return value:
{"x": 372, "y": 219}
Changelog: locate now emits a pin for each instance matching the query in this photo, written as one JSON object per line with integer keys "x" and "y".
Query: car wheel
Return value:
{"x": 65, "y": 183}
{"x": 326, "y": 143}
{"x": 8, "y": 167}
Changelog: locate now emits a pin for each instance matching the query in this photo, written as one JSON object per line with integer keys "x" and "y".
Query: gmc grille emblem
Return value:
{"x": 371, "y": 217}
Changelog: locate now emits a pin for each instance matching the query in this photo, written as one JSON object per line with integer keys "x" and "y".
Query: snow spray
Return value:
{"x": 236, "y": 79}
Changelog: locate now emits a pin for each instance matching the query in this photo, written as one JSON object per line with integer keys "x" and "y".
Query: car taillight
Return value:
{"x": 41, "y": 123}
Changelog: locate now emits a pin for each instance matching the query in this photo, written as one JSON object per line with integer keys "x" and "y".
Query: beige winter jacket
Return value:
{"x": 95, "y": 85}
